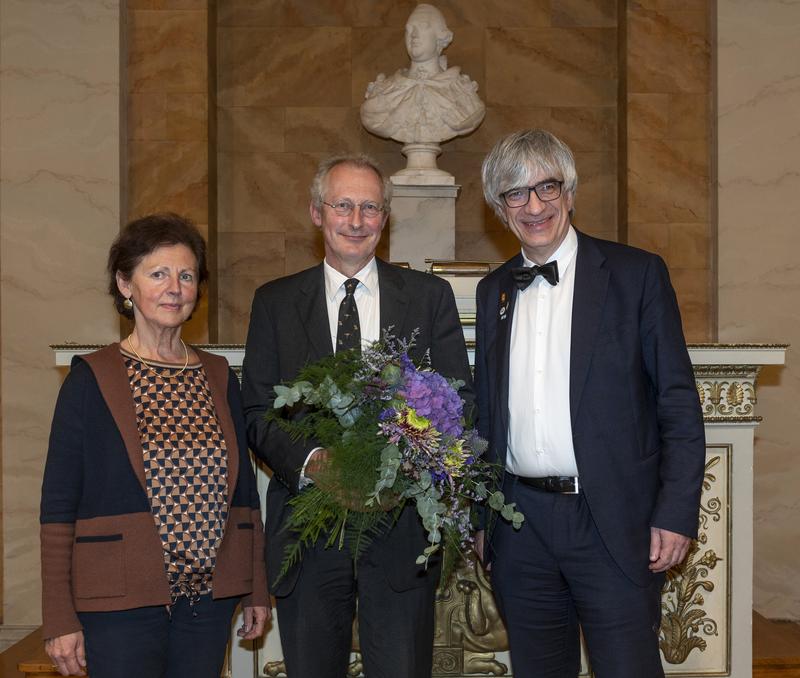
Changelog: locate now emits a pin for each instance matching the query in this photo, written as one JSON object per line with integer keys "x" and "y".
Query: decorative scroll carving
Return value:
{"x": 684, "y": 622}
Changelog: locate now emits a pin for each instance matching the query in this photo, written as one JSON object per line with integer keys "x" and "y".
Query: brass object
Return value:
{"x": 275, "y": 669}
{"x": 459, "y": 267}
{"x": 468, "y": 627}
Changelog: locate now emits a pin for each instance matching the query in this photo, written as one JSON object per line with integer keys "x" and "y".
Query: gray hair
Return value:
{"x": 358, "y": 160}
{"x": 518, "y": 156}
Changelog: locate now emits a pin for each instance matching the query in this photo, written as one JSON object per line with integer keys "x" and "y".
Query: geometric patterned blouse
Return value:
{"x": 186, "y": 470}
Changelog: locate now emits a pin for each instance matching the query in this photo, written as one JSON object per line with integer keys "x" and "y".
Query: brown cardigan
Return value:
{"x": 100, "y": 547}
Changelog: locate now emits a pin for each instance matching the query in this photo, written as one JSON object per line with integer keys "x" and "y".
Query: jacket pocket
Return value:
{"x": 98, "y": 566}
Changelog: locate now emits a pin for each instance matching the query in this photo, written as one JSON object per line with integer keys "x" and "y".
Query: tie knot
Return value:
{"x": 350, "y": 286}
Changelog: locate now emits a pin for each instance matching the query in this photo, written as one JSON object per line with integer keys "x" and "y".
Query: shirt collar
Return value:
{"x": 563, "y": 255}
{"x": 334, "y": 280}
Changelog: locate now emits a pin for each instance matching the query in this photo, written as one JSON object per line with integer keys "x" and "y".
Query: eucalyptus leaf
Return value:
{"x": 496, "y": 500}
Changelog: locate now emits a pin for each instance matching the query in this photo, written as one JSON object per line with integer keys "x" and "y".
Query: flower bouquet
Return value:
{"x": 395, "y": 432}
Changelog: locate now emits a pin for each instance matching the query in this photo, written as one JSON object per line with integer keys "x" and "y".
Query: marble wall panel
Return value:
{"x": 323, "y": 130}
{"x": 246, "y": 260}
{"x": 668, "y": 181}
{"x": 598, "y": 13}
{"x": 187, "y": 116}
{"x": 266, "y": 192}
{"x": 693, "y": 292}
{"x": 167, "y": 50}
{"x": 284, "y": 66}
{"x": 669, "y": 173}
{"x": 759, "y": 275}
{"x": 669, "y": 49}
{"x": 167, "y": 111}
{"x": 596, "y": 196}
{"x": 651, "y": 237}
{"x": 59, "y": 211}
{"x": 250, "y": 129}
{"x": 168, "y": 176}
{"x": 551, "y": 66}
{"x": 512, "y": 13}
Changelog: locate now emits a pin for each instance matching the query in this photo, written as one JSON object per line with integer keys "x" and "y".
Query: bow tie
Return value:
{"x": 524, "y": 275}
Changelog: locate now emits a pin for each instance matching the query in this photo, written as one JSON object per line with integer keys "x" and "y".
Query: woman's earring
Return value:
{"x": 128, "y": 304}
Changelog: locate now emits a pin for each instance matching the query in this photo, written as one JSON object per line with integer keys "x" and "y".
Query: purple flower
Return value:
{"x": 430, "y": 395}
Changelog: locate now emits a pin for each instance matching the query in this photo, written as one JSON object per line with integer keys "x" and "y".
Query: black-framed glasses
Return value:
{"x": 545, "y": 191}
{"x": 344, "y": 208}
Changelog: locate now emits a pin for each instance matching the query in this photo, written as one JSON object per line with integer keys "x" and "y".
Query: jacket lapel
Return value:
{"x": 394, "y": 301}
{"x": 313, "y": 312}
{"x": 109, "y": 370}
{"x": 591, "y": 285}
{"x": 506, "y": 299}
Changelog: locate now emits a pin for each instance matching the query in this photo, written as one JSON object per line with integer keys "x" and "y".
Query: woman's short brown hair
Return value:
{"x": 142, "y": 237}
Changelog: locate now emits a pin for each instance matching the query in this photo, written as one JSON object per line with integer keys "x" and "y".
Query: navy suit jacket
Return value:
{"x": 289, "y": 329}
{"x": 637, "y": 427}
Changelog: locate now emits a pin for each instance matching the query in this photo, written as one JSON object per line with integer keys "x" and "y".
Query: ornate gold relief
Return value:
{"x": 727, "y": 392}
{"x": 683, "y": 621}
{"x": 468, "y": 627}
{"x": 686, "y": 623}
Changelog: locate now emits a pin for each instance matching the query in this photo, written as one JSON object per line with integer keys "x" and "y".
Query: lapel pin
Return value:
{"x": 503, "y": 305}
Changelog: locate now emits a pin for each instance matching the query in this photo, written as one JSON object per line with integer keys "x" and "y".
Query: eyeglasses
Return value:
{"x": 545, "y": 191}
{"x": 344, "y": 208}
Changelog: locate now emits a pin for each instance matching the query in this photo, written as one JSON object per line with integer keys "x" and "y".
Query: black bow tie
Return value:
{"x": 524, "y": 275}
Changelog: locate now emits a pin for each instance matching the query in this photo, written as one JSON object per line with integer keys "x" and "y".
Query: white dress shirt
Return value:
{"x": 367, "y": 296}
{"x": 539, "y": 426}
{"x": 368, "y": 303}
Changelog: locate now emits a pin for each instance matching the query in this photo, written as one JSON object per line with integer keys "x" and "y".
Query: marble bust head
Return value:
{"x": 427, "y": 102}
{"x": 427, "y": 35}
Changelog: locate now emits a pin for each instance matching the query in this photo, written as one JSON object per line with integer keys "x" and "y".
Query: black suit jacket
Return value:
{"x": 289, "y": 329}
{"x": 636, "y": 421}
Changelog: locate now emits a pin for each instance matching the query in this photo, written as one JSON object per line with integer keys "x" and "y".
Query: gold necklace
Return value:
{"x": 142, "y": 360}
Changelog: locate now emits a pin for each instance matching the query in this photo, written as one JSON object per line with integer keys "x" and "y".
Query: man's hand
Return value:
{"x": 318, "y": 470}
{"x": 254, "y": 620}
{"x": 317, "y": 465}
{"x": 68, "y": 653}
{"x": 667, "y": 549}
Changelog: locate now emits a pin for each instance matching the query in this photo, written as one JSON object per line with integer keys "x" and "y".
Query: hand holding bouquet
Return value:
{"x": 393, "y": 432}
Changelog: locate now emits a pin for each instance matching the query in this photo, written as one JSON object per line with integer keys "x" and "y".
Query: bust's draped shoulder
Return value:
{"x": 430, "y": 109}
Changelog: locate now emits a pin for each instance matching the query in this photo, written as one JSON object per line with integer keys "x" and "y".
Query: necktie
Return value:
{"x": 348, "y": 334}
{"x": 524, "y": 275}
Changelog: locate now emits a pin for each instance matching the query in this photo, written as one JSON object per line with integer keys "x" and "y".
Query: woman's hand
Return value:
{"x": 254, "y": 620}
{"x": 67, "y": 653}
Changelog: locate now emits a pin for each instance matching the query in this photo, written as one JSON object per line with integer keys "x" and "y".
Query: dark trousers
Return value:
{"x": 148, "y": 641}
{"x": 316, "y": 619}
{"x": 554, "y": 576}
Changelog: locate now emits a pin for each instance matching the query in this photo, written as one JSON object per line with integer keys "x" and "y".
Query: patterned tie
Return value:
{"x": 348, "y": 334}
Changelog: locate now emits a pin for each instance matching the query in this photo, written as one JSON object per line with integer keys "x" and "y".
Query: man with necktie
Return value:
{"x": 345, "y": 301}
{"x": 586, "y": 394}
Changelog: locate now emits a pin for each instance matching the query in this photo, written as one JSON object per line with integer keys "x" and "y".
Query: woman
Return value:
{"x": 151, "y": 531}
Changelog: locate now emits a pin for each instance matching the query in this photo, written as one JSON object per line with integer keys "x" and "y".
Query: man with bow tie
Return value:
{"x": 586, "y": 394}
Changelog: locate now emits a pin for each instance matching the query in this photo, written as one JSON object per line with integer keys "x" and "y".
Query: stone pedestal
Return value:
{"x": 423, "y": 219}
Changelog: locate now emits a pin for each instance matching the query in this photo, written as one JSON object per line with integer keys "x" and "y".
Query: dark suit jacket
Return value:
{"x": 100, "y": 546}
{"x": 289, "y": 329}
{"x": 636, "y": 421}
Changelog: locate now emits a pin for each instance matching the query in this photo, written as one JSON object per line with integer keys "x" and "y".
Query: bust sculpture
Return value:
{"x": 426, "y": 103}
